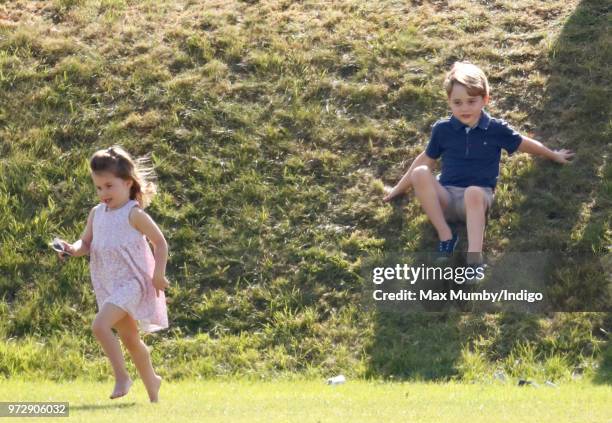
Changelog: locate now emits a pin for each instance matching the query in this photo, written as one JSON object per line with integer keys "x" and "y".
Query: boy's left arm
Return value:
{"x": 532, "y": 146}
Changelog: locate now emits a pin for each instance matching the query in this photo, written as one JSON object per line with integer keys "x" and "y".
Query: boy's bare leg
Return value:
{"x": 128, "y": 332}
{"x": 101, "y": 327}
{"x": 475, "y": 208}
{"x": 433, "y": 198}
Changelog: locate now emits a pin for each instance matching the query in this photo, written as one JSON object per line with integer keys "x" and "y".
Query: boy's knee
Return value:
{"x": 419, "y": 174}
{"x": 474, "y": 196}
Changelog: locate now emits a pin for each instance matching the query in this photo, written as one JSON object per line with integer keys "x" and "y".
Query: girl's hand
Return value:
{"x": 160, "y": 283}
{"x": 563, "y": 156}
{"x": 68, "y": 248}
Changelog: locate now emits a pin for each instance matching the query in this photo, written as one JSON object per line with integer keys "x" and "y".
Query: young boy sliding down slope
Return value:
{"x": 469, "y": 144}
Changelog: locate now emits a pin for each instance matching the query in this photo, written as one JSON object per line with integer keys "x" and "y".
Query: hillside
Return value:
{"x": 273, "y": 126}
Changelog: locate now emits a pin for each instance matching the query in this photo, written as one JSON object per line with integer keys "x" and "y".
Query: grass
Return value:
{"x": 273, "y": 126}
{"x": 313, "y": 401}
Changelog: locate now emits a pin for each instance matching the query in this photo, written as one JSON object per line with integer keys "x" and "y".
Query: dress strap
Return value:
{"x": 129, "y": 206}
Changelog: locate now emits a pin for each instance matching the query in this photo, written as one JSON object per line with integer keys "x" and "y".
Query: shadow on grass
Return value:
{"x": 566, "y": 208}
{"x": 93, "y": 407}
{"x": 412, "y": 345}
{"x": 565, "y": 212}
{"x": 603, "y": 376}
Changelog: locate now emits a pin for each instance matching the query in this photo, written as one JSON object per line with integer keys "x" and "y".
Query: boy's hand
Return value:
{"x": 391, "y": 193}
{"x": 160, "y": 283}
{"x": 563, "y": 156}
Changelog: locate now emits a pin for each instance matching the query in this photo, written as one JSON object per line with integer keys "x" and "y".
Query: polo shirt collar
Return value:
{"x": 483, "y": 122}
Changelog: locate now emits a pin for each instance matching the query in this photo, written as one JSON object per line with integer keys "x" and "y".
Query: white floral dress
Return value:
{"x": 121, "y": 266}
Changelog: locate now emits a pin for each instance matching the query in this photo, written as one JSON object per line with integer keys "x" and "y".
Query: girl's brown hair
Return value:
{"x": 119, "y": 162}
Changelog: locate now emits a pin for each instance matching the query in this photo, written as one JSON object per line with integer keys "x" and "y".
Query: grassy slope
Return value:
{"x": 273, "y": 126}
{"x": 300, "y": 401}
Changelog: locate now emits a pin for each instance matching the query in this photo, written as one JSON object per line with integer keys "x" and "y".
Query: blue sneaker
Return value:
{"x": 446, "y": 248}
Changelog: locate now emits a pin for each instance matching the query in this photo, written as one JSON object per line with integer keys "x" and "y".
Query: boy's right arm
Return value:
{"x": 420, "y": 160}
{"x": 405, "y": 183}
{"x": 81, "y": 247}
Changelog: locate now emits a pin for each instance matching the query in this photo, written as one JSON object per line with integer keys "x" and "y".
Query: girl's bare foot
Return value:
{"x": 121, "y": 388}
{"x": 154, "y": 391}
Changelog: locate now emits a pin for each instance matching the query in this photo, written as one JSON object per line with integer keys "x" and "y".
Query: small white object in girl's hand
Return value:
{"x": 57, "y": 245}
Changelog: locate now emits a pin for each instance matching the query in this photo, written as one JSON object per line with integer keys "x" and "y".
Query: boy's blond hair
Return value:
{"x": 468, "y": 75}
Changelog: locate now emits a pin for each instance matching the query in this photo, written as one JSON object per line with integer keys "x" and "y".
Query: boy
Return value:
{"x": 469, "y": 144}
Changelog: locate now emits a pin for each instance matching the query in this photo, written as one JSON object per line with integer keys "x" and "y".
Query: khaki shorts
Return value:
{"x": 455, "y": 212}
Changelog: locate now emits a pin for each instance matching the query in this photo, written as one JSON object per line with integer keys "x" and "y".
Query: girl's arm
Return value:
{"x": 532, "y": 146}
{"x": 81, "y": 247}
{"x": 142, "y": 222}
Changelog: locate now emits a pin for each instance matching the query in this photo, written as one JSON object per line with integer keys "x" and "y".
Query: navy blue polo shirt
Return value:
{"x": 470, "y": 156}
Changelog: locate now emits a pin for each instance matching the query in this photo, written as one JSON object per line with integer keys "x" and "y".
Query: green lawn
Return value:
{"x": 314, "y": 401}
{"x": 273, "y": 126}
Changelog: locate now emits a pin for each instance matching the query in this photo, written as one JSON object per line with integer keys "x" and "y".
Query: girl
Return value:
{"x": 128, "y": 279}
